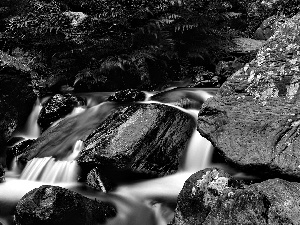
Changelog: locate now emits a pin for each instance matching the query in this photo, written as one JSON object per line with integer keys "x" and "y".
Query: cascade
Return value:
{"x": 31, "y": 129}
{"x": 134, "y": 202}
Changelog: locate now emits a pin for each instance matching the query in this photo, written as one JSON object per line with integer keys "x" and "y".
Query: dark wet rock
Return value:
{"x": 2, "y": 174}
{"x": 58, "y": 107}
{"x": 128, "y": 95}
{"x": 147, "y": 138}
{"x": 18, "y": 149}
{"x": 96, "y": 181}
{"x": 200, "y": 193}
{"x": 254, "y": 119}
{"x": 52, "y": 205}
{"x": 213, "y": 197}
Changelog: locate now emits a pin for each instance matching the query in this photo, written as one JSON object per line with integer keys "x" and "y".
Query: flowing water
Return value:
{"x": 146, "y": 202}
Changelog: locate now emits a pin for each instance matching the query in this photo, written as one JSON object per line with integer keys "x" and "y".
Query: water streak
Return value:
{"x": 49, "y": 170}
{"x": 31, "y": 129}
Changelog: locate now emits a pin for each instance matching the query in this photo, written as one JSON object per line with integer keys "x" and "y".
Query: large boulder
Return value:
{"x": 146, "y": 138}
{"x": 254, "y": 119}
{"x": 57, "y": 107}
{"x": 200, "y": 193}
{"x": 213, "y": 197}
{"x": 272, "y": 202}
{"x": 53, "y": 205}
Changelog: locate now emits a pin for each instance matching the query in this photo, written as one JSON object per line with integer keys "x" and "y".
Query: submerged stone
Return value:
{"x": 253, "y": 121}
{"x": 58, "y": 107}
{"x": 53, "y": 205}
{"x": 128, "y": 95}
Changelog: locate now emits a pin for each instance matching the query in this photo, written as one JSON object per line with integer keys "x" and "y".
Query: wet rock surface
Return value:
{"x": 49, "y": 205}
{"x": 58, "y": 107}
{"x": 254, "y": 119}
{"x": 128, "y": 95}
{"x": 212, "y": 197}
{"x": 18, "y": 149}
{"x": 148, "y": 138}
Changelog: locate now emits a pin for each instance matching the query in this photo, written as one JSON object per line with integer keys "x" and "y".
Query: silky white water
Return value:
{"x": 138, "y": 203}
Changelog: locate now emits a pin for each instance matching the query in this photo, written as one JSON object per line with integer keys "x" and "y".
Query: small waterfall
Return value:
{"x": 199, "y": 153}
{"x": 50, "y": 170}
{"x": 129, "y": 199}
{"x": 31, "y": 129}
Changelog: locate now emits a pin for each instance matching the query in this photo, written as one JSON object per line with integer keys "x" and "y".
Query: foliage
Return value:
{"x": 133, "y": 42}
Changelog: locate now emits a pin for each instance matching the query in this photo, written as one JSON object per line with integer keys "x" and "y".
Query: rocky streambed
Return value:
{"x": 252, "y": 121}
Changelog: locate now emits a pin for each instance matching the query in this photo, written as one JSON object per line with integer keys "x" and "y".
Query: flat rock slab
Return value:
{"x": 254, "y": 119}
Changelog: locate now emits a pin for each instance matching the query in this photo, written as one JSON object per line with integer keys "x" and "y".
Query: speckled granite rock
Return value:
{"x": 259, "y": 10}
{"x": 148, "y": 138}
{"x": 268, "y": 27}
{"x": 254, "y": 119}
{"x": 200, "y": 193}
{"x": 53, "y": 205}
{"x": 212, "y": 197}
{"x": 56, "y": 108}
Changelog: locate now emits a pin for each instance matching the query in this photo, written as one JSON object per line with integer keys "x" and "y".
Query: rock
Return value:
{"x": 128, "y": 95}
{"x": 2, "y": 173}
{"x": 270, "y": 202}
{"x": 94, "y": 180}
{"x": 268, "y": 27}
{"x": 53, "y": 205}
{"x": 259, "y": 10}
{"x": 213, "y": 197}
{"x": 146, "y": 138}
{"x": 18, "y": 149}
{"x": 200, "y": 193}
{"x": 254, "y": 119}
{"x": 246, "y": 45}
{"x": 58, "y": 107}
